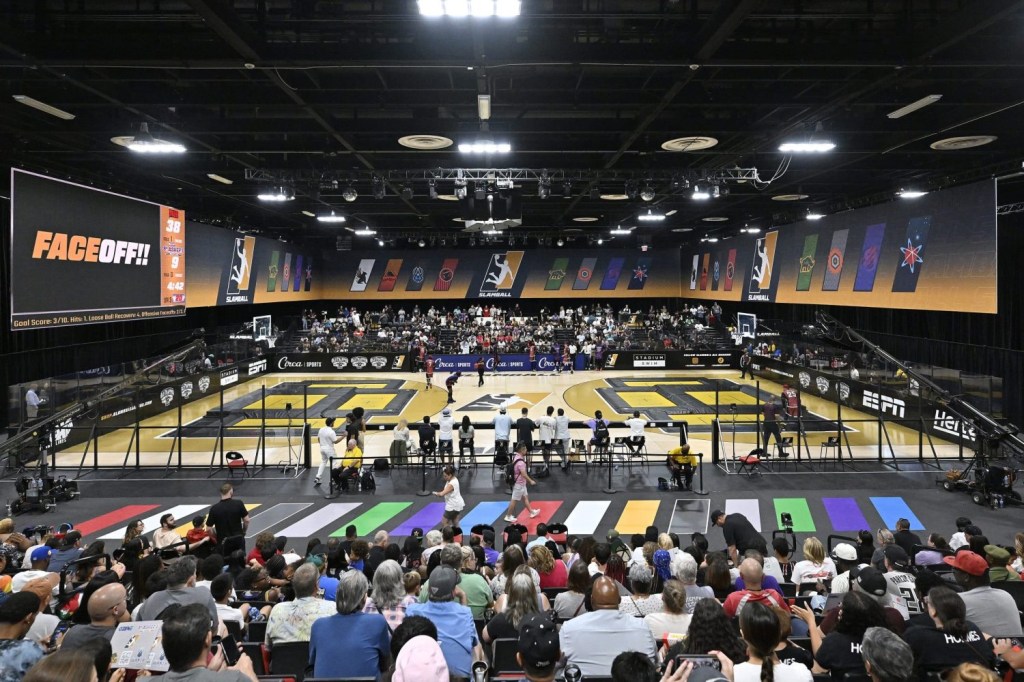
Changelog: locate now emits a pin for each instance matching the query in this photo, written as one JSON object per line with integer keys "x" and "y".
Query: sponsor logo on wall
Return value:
{"x": 257, "y": 367}
{"x": 879, "y": 402}
{"x": 167, "y": 396}
{"x": 228, "y": 378}
{"x": 649, "y": 360}
{"x": 500, "y": 275}
{"x": 952, "y": 425}
{"x": 240, "y": 271}
{"x": 186, "y": 390}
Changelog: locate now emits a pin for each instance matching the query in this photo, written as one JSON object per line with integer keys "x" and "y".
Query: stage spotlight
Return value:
{"x": 647, "y": 193}
{"x": 350, "y": 194}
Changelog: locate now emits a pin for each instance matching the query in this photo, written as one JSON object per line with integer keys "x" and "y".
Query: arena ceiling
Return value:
{"x": 316, "y": 95}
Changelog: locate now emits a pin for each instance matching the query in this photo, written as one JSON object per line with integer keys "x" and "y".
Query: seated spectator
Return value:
{"x": 870, "y": 582}
{"x": 552, "y": 571}
{"x": 167, "y": 537}
{"x": 904, "y": 538}
{"x": 366, "y": 636}
{"x": 844, "y": 555}
{"x": 761, "y": 630}
{"x": 455, "y": 629}
{"x": 816, "y": 568}
{"x": 70, "y": 550}
{"x": 593, "y": 640}
{"x": 885, "y": 539}
{"x": 992, "y": 611}
{"x": 511, "y": 559}
{"x": 181, "y": 589}
{"x": 521, "y": 600}
{"x": 710, "y": 630}
{"x": 671, "y": 622}
{"x": 420, "y": 660}
{"x": 970, "y": 672}
{"x": 17, "y": 655}
{"x": 999, "y": 564}
{"x": 887, "y": 658}
{"x": 784, "y": 555}
{"x": 45, "y": 623}
{"x": 187, "y": 638}
{"x": 768, "y": 582}
{"x": 71, "y": 665}
{"x": 572, "y": 602}
{"x": 752, "y": 575}
{"x": 388, "y": 594}
{"x": 641, "y": 602}
{"x": 473, "y": 585}
{"x": 538, "y": 650}
{"x": 785, "y": 650}
{"x": 684, "y": 569}
{"x": 107, "y": 607}
{"x": 221, "y": 591}
{"x": 292, "y": 621}
{"x": 932, "y": 557}
{"x": 950, "y": 639}
{"x": 839, "y": 652}
{"x": 717, "y": 576}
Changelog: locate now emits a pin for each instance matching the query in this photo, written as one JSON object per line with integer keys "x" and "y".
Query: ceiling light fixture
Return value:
{"x": 483, "y": 147}
{"x": 350, "y": 194}
{"x": 43, "y": 106}
{"x": 647, "y": 193}
{"x": 814, "y": 215}
{"x": 331, "y": 217}
{"x": 810, "y": 147}
{"x": 309, "y": 213}
{"x": 380, "y": 242}
{"x": 422, "y": 243}
{"x": 651, "y": 217}
{"x": 560, "y": 242}
{"x": 619, "y": 230}
{"x": 276, "y": 193}
{"x": 700, "y": 191}
{"x": 914, "y": 106}
{"x": 220, "y": 178}
{"x": 477, "y": 9}
{"x": 365, "y": 232}
{"x": 600, "y": 241}
{"x": 483, "y": 107}
{"x": 145, "y": 143}
{"x": 712, "y": 240}
{"x": 911, "y": 193}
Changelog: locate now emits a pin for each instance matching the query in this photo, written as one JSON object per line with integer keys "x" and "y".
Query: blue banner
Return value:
{"x": 516, "y": 362}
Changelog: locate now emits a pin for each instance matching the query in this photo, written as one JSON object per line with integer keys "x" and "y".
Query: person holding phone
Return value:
{"x": 192, "y": 654}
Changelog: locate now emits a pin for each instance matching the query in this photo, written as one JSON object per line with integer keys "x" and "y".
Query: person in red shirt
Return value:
{"x": 533, "y": 358}
{"x": 430, "y": 371}
{"x": 752, "y": 574}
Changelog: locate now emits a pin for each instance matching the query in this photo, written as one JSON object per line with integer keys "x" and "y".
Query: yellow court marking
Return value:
{"x": 645, "y": 399}
{"x": 637, "y": 515}
{"x": 706, "y": 419}
{"x": 255, "y": 423}
{"x": 724, "y": 397}
{"x": 661, "y": 383}
{"x": 184, "y": 528}
{"x": 369, "y": 401}
{"x": 344, "y": 384}
{"x": 278, "y": 402}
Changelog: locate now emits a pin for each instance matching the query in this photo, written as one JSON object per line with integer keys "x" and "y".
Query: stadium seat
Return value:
{"x": 503, "y": 656}
{"x": 290, "y": 658}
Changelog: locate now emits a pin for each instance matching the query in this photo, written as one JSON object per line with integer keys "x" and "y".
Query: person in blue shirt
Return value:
{"x": 366, "y": 640}
{"x": 455, "y": 629}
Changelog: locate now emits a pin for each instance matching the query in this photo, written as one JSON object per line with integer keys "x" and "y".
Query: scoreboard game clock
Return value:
{"x": 81, "y": 255}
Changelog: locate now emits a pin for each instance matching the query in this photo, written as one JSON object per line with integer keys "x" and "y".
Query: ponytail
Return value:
{"x": 767, "y": 667}
{"x": 950, "y": 610}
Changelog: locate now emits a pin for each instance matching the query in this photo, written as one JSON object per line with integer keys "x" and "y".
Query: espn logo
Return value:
{"x": 257, "y": 367}
{"x": 883, "y": 403}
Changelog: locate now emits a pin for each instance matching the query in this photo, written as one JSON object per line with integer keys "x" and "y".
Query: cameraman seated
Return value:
{"x": 351, "y": 462}
{"x": 428, "y": 438}
{"x": 681, "y": 464}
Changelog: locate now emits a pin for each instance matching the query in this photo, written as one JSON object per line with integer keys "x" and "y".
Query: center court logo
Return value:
{"x": 241, "y": 270}
{"x": 500, "y": 276}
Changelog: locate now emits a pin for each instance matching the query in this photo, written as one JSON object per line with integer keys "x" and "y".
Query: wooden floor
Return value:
{"x": 689, "y": 395}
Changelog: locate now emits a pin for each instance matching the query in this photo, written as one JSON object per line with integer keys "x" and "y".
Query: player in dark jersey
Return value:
{"x": 429, "y": 365}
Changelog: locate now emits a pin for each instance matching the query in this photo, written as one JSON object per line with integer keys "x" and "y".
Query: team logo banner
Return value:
{"x": 761, "y": 269}
{"x": 362, "y": 276}
{"x": 499, "y": 279}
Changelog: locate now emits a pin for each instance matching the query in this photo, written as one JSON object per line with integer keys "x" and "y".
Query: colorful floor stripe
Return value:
{"x": 321, "y": 518}
{"x": 485, "y": 513}
{"x": 803, "y": 522}
{"x": 893, "y": 508}
{"x": 273, "y": 516}
{"x": 690, "y": 516}
{"x": 844, "y": 513}
{"x": 373, "y": 518}
{"x": 637, "y": 515}
{"x": 182, "y": 512}
{"x": 90, "y": 526}
{"x": 749, "y": 508}
{"x": 586, "y": 517}
{"x": 547, "y": 512}
{"x": 425, "y": 518}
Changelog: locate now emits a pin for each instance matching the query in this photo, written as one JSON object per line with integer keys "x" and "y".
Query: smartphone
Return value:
{"x": 229, "y": 646}
{"x": 61, "y": 628}
{"x": 699, "y": 661}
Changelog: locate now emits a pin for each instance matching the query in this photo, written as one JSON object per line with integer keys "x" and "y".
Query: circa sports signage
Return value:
{"x": 341, "y": 362}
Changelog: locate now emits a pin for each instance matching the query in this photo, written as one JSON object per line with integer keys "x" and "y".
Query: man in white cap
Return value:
{"x": 502, "y": 430}
{"x": 845, "y": 557}
{"x": 446, "y": 428}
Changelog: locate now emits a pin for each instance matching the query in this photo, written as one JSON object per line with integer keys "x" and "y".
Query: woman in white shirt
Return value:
{"x": 671, "y": 624}
{"x": 760, "y": 629}
{"x": 816, "y": 567}
{"x": 400, "y": 444}
{"x": 453, "y": 502}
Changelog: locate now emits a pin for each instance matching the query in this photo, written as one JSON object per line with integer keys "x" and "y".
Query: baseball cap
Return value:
{"x": 844, "y": 551}
{"x": 715, "y": 515}
{"x": 871, "y": 581}
{"x": 71, "y": 538}
{"x": 538, "y": 642}
{"x": 446, "y": 411}
{"x": 997, "y": 554}
{"x": 41, "y": 553}
{"x": 968, "y": 562}
{"x": 417, "y": 533}
{"x": 443, "y": 580}
{"x": 897, "y": 556}
{"x": 421, "y": 660}
{"x": 612, "y": 534}
{"x": 502, "y": 409}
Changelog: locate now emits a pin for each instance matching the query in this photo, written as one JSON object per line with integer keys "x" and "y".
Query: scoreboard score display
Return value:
{"x": 80, "y": 255}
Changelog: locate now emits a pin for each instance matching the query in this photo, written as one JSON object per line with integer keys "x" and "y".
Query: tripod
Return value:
{"x": 287, "y": 464}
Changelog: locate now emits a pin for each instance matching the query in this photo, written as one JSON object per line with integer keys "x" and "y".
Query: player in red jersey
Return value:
{"x": 430, "y": 371}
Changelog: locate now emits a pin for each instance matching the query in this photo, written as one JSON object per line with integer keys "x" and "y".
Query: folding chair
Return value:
{"x": 830, "y": 445}
{"x": 783, "y": 450}
{"x": 237, "y": 462}
{"x": 637, "y": 452}
{"x": 751, "y": 463}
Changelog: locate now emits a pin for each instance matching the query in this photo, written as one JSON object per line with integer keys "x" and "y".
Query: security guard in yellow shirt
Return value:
{"x": 350, "y": 464}
{"x": 682, "y": 464}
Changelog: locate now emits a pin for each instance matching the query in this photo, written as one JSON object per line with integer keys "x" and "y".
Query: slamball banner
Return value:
{"x": 937, "y": 252}
{"x": 502, "y": 273}
{"x": 341, "y": 362}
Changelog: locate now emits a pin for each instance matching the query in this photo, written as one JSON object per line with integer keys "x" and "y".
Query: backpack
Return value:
{"x": 600, "y": 430}
{"x": 367, "y": 482}
{"x": 510, "y": 474}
